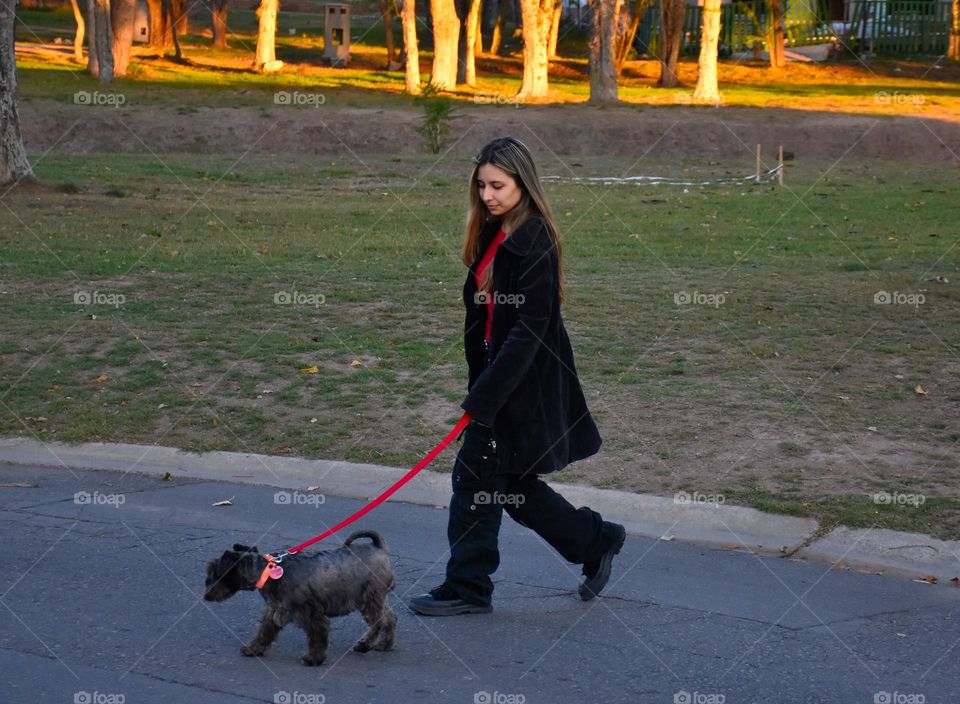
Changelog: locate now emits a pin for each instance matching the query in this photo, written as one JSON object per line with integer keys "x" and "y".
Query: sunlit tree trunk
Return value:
{"x": 478, "y": 30}
{"x": 775, "y": 36}
{"x": 537, "y": 17}
{"x": 218, "y": 22}
{"x": 411, "y": 51}
{"x": 386, "y": 11}
{"x": 469, "y": 45}
{"x": 954, "y": 51}
{"x": 159, "y": 25}
{"x": 707, "y": 91}
{"x": 181, "y": 10}
{"x": 14, "y": 165}
{"x": 496, "y": 36}
{"x": 123, "y": 14}
{"x": 554, "y": 30}
{"x": 169, "y": 21}
{"x": 603, "y": 48}
{"x": 266, "y": 58}
{"x": 446, "y": 32}
{"x": 81, "y": 29}
{"x": 671, "y": 31}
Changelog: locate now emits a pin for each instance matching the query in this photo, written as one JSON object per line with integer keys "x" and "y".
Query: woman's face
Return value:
{"x": 499, "y": 191}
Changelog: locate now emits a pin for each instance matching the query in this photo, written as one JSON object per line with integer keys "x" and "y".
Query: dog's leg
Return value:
{"x": 382, "y": 622}
{"x": 271, "y": 623}
{"x": 318, "y": 634}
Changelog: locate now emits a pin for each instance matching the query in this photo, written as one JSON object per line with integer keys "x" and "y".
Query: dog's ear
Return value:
{"x": 244, "y": 548}
{"x": 249, "y": 568}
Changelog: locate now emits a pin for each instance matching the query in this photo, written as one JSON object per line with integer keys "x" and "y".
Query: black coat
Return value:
{"x": 529, "y": 392}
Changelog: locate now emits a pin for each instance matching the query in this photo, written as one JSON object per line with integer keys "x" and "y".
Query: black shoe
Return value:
{"x": 598, "y": 571}
{"x": 443, "y": 601}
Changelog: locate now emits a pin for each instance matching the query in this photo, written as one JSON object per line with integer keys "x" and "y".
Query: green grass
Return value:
{"x": 767, "y": 396}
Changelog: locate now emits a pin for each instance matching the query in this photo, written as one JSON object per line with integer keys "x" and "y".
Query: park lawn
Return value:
{"x": 784, "y": 386}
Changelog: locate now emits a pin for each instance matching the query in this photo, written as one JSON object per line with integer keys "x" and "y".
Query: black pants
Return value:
{"x": 476, "y": 508}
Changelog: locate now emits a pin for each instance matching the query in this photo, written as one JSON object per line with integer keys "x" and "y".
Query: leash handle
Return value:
{"x": 461, "y": 424}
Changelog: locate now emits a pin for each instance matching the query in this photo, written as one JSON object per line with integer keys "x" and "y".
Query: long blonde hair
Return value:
{"x": 514, "y": 158}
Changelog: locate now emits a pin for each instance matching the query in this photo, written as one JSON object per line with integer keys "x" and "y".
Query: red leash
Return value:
{"x": 461, "y": 424}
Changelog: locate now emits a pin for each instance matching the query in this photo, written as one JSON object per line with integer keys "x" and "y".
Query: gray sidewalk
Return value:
{"x": 102, "y": 603}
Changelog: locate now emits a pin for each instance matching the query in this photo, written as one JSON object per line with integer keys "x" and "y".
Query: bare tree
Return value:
{"x": 100, "y": 40}
{"x": 628, "y": 26}
{"x": 775, "y": 34}
{"x": 446, "y": 32}
{"x": 603, "y": 51}
{"x": 218, "y": 22}
{"x": 537, "y": 18}
{"x": 671, "y": 32}
{"x": 408, "y": 15}
{"x": 266, "y": 57}
{"x": 707, "y": 90}
{"x": 953, "y": 53}
{"x": 14, "y": 166}
{"x": 81, "y": 30}
{"x": 123, "y": 15}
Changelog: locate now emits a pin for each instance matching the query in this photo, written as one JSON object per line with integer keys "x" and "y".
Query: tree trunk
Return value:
{"x": 81, "y": 30}
{"x": 603, "y": 45}
{"x": 707, "y": 91}
{"x": 409, "y": 18}
{"x": 630, "y": 23}
{"x": 446, "y": 32}
{"x": 469, "y": 46}
{"x": 554, "y": 30}
{"x": 537, "y": 17}
{"x": 266, "y": 58}
{"x": 496, "y": 36}
{"x": 478, "y": 30}
{"x": 169, "y": 21}
{"x": 14, "y": 165}
{"x": 671, "y": 32}
{"x": 953, "y": 53}
{"x": 100, "y": 63}
{"x": 775, "y": 36}
{"x": 218, "y": 22}
{"x": 181, "y": 12}
{"x": 159, "y": 25}
{"x": 387, "y": 14}
{"x": 123, "y": 14}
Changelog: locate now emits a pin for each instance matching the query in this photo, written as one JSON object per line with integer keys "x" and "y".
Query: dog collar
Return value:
{"x": 271, "y": 571}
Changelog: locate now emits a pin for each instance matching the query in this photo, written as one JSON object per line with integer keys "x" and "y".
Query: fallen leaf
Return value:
{"x": 285, "y": 450}
{"x": 666, "y": 537}
{"x": 356, "y": 363}
{"x": 313, "y": 420}
{"x": 940, "y": 279}
{"x": 313, "y": 488}
{"x": 167, "y": 477}
{"x": 920, "y": 391}
{"x": 215, "y": 422}
{"x": 225, "y": 502}
{"x": 309, "y": 370}
{"x": 956, "y": 580}
{"x": 19, "y": 485}
{"x": 872, "y": 428}
{"x": 100, "y": 379}
{"x": 929, "y": 579}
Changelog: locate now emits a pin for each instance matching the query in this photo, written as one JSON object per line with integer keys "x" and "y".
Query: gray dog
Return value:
{"x": 313, "y": 588}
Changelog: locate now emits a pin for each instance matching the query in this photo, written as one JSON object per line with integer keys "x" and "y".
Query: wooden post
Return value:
{"x": 758, "y": 163}
{"x": 780, "y": 170}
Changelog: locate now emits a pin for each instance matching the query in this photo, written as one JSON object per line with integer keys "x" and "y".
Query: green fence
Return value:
{"x": 882, "y": 26}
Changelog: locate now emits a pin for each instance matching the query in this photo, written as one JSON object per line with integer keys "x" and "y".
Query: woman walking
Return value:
{"x": 529, "y": 415}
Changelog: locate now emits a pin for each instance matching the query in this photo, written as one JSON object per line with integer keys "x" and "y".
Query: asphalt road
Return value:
{"x": 101, "y": 604}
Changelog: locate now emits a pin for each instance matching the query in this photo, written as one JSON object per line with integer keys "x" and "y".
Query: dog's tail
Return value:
{"x": 373, "y": 535}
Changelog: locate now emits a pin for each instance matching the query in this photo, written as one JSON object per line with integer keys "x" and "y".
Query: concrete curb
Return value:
{"x": 642, "y": 514}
